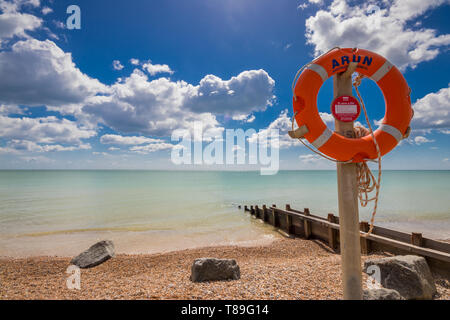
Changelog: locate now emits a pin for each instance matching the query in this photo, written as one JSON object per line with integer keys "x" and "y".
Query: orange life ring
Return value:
{"x": 396, "y": 94}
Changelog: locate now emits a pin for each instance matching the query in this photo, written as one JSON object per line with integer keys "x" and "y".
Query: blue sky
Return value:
{"x": 110, "y": 95}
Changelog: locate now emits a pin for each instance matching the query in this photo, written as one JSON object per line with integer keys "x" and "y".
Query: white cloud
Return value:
{"x": 151, "y": 147}
{"x": 43, "y": 130}
{"x": 247, "y": 92}
{"x": 16, "y": 24}
{"x": 10, "y": 109}
{"x": 9, "y": 6}
{"x": 327, "y": 117}
{"x": 383, "y": 30}
{"x": 36, "y": 73}
{"x": 310, "y": 158}
{"x": 154, "y": 69}
{"x": 432, "y": 111}
{"x": 283, "y": 123}
{"x": 157, "y": 107}
{"x": 248, "y": 118}
{"x": 21, "y": 146}
{"x": 46, "y": 10}
{"x": 117, "y": 65}
{"x": 134, "y": 62}
{"x": 121, "y": 140}
{"x": 306, "y": 4}
{"x": 421, "y": 140}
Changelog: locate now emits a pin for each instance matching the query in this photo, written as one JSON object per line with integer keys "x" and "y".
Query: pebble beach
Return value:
{"x": 285, "y": 269}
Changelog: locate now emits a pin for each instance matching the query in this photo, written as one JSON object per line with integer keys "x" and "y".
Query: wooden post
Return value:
{"x": 332, "y": 234}
{"x": 256, "y": 211}
{"x": 348, "y": 201}
{"x": 274, "y": 220}
{"x": 365, "y": 244}
{"x": 289, "y": 227}
{"x": 307, "y": 225}
{"x": 252, "y": 211}
{"x": 264, "y": 217}
{"x": 416, "y": 239}
{"x": 245, "y": 208}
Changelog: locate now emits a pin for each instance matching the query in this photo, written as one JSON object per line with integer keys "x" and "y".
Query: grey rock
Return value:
{"x": 381, "y": 294}
{"x": 409, "y": 275}
{"x": 95, "y": 255}
{"x": 212, "y": 269}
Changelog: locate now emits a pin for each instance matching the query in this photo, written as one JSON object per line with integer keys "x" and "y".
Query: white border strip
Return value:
{"x": 320, "y": 70}
{"x": 323, "y": 138}
{"x": 382, "y": 71}
{"x": 393, "y": 131}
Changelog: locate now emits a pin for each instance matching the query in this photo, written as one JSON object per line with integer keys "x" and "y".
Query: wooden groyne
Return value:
{"x": 303, "y": 224}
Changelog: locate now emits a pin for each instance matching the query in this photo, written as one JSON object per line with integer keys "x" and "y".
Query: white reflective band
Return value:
{"x": 323, "y": 138}
{"x": 320, "y": 70}
{"x": 392, "y": 131}
{"x": 377, "y": 76}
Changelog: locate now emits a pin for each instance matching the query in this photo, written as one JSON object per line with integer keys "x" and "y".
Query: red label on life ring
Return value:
{"x": 345, "y": 108}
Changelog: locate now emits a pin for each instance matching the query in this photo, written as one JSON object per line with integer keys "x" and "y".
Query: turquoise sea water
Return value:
{"x": 63, "y": 212}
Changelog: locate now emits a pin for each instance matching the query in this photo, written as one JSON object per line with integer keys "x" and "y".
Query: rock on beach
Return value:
{"x": 95, "y": 255}
{"x": 212, "y": 269}
{"x": 409, "y": 275}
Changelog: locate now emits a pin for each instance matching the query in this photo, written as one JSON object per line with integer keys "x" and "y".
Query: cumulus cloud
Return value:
{"x": 43, "y": 130}
{"x": 327, "y": 117}
{"x": 247, "y": 92}
{"x": 38, "y": 73}
{"x": 154, "y": 69}
{"x": 159, "y": 106}
{"x": 11, "y": 6}
{"x": 121, "y": 140}
{"x": 117, "y": 65}
{"x": 432, "y": 111}
{"x": 379, "y": 26}
{"x": 16, "y": 24}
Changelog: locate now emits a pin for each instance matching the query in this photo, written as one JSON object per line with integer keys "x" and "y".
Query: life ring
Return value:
{"x": 396, "y": 94}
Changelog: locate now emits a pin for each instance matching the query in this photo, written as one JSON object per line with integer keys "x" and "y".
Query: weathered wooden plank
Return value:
{"x": 264, "y": 217}
{"x": 332, "y": 234}
{"x": 307, "y": 224}
{"x": 365, "y": 244}
{"x": 381, "y": 239}
{"x": 416, "y": 239}
{"x": 289, "y": 226}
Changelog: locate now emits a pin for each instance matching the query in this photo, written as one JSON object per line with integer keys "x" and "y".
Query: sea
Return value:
{"x": 60, "y": 213}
